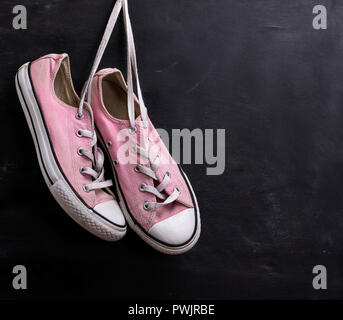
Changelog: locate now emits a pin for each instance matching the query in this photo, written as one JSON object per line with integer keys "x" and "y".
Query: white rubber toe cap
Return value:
{"x": 175, "y": 230}
{"x": 111, "y": 211}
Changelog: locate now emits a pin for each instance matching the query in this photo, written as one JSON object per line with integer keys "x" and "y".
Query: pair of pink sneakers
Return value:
{"x": 153, "y": 194}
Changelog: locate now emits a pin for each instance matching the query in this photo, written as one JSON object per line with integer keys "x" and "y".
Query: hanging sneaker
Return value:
{"x": 66, "y": 146}
{"x": 155, "y": 195}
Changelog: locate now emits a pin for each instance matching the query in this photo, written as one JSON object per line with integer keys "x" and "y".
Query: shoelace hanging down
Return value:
{"x": 98, "y": 172}
{"x": 131, "y": 65}
{"x": 98, "y": 164}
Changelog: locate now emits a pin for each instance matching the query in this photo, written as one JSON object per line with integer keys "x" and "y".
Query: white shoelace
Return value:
{"x": 132, "y": 65}
{"x": 157, "y": 191}
{"x": 98, "y": 172}
{"x": 98, "y": 163}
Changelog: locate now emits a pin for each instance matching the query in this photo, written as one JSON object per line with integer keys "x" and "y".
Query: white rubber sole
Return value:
{"x": 54, "y": 178}
{"x": 164, "y": 248}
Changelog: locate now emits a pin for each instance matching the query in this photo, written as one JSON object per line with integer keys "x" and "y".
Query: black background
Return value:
{"x": 255, "y": 68}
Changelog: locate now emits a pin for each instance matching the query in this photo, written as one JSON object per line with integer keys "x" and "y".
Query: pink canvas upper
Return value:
{"x": 116, "y": 131}
{"x": 62, "y": 126}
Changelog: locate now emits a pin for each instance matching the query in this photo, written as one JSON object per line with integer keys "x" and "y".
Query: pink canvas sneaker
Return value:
{"x": 65, "y": 142}
{"x": 155, "y": 195}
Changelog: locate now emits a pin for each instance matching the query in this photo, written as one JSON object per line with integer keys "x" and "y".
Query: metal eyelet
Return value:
{"x": 78, "y": 133}
{"x": 82, "y": 170}
{"x": 115, "y": 162}
{"x": 168, "y": 174}
{"x": 142, "y": 187}
{"x": 85, "y": 188}
{"x": 109, "y": 144}
{"x": 137, "y": 168}
{"x": 177, "y": 189}
{"x": 79, "y": 152}
{"x": 146, "y": 205}
{"x": 134, "y": 149}
{"x": 79, "y": 116}
{"x": 133, "y": 130}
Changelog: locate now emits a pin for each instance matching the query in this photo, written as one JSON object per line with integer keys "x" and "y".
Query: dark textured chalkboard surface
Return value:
{"x": 255, "y": 68}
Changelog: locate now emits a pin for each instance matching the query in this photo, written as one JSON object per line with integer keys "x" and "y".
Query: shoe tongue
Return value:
{"x": 88, "y": 109}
